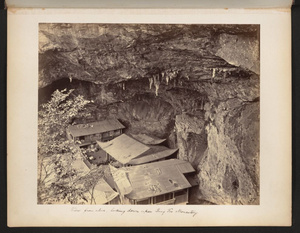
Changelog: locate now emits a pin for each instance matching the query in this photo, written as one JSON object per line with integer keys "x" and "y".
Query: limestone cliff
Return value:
{"x": 196, "y": 85}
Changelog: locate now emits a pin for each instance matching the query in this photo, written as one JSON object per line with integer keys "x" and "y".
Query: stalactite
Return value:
{"x": 213, "y": 72}
{"x": 124, "y": 86}
{"x": 156, "y": 89}
{"x": 202, "y": 104}
{"x": 173, "y": 74}
{"x": 167, "y": 80}
{"x": 224, "y": 73}
{"x": 150, "y": 83}
{"x": 156, "y": 83}
{"x": 102, "y": 93}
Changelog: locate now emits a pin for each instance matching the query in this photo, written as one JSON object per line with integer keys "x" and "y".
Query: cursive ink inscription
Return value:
{"x": 127, "y": 211}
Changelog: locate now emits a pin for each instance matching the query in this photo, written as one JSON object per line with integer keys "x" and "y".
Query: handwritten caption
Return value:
{"x": 121, "y": 211}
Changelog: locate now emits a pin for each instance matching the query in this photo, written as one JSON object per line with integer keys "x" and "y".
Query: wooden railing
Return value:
{"x": 87, "y": 163}
{"x": 167, "y": 202}
{"x": 181, "y": 199}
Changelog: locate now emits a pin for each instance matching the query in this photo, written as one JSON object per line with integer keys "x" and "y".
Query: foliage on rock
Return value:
{"x": 57, "y": 178}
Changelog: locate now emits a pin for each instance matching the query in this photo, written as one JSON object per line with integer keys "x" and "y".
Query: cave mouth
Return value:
{"x": 137, "y": 107}
{"x": 192, "y": 84}
{"x": 178, "y": 113}
{"x": 79, "y": 86}
{"x": 145, "y": 113}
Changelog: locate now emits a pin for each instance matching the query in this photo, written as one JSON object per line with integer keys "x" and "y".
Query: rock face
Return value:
{"x": 229, "y": 173}
{"x": 191, "y": 137}
{"x": 196, "y": 85}
{"x": 247, "y": 57}
{"x": 111, "y": 53}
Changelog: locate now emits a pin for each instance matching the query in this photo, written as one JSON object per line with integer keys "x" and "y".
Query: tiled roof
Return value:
{"x": 150, "y": 157}
{"x": 157, "y": 178}
{"x": 123, "y": 148}
{"x": 103, "y": 193}
{"x": 148, "y": 140}
{"x": 95, "y": 127}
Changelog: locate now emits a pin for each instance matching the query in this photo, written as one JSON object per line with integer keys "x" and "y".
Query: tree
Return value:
{"x": 89, "y": 181}
{"x": 56, "y": 176}
{"x": 54, "y": 118}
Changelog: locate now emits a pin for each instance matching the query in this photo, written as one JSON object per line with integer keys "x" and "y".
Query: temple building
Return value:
{"x": 161, "y": 183}
{"x": 88, "y": 133}
{"x": 125, "y": 151}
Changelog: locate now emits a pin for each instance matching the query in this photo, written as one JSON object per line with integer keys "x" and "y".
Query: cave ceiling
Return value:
{"x": 112, "y": 53}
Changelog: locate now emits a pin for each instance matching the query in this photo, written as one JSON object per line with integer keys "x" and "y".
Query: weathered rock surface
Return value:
{"x": 229, "y": 174}
{"x": 158, "y": 80}
{"x": 112, "y": 53}
{"x": 191, "y": 137}
{"x": 239, "y": 51}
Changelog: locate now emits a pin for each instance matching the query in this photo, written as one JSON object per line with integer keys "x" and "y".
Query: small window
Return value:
{"x": 114, "y": 201}
{"x": 143, "y": 202}
{"x": 180, "y": 193}
{"x": 159, "y": 198}
{"x": 163, "y": 197}
{"x": 168, "y": 196}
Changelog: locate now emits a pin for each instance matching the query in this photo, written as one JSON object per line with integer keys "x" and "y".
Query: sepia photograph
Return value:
{"x": 148, "y": 114}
